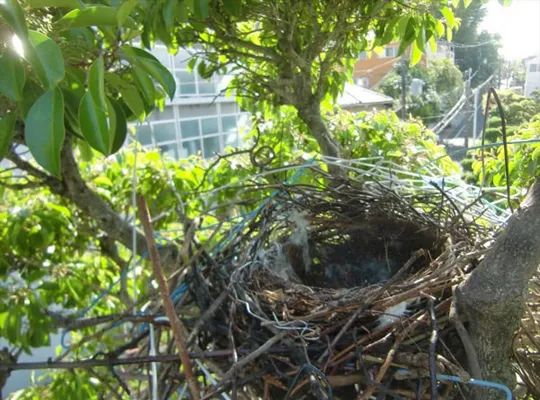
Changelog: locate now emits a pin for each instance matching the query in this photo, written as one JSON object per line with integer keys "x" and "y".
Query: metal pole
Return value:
{"x": 475, "y": 117}
{"x": 467, "y": 107}
{"x": 403, "y": 89}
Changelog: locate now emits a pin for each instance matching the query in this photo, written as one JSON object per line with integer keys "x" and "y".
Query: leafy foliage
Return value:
{"x": 442, "y": 87}
{"x": 522, "y": 116}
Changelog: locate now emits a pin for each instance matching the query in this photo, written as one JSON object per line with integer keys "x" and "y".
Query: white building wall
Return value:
{"x": 532, "y": 75}
{"x": 445, "y": 50}
{"x": 199, "y": 120}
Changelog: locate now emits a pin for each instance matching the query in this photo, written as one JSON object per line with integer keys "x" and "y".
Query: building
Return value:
{"x": 369, "y": 71}
{"x": 199, "y": 120}
{"x": 532, "y": 75}
{"x": 356, "y": 98}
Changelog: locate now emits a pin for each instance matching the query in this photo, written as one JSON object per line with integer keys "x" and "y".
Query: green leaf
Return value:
{"x": 388, "y": 34}
{"x": 125, "y": 10}
{"x": 182, "y": 11}
{"x": 86, "y": 151}
{"x": 201, "y": 9}
{"x": 467, "y": 3}
{"x": 133, "y": 100}
{"x": 44, "y": 130}
{"x": 439, "y": 28}
{"x": 31, "y": 92}
{"x": 55, "y": 3}
{"x": 71, "y": 102}
{"x": 416, "y": 54}
{"x": 130, "y": 95}
{"x": 13, "y": 14}
{"x": 455, "y": 3}
{"x": 117, "y": 125}
{"x": 46, "y": 58}
{"x": 505, "y": 3}
{"x": 3, "y": 318}
{"x": 408, "y": 36}
{"x": 433, "y": 44}
{"x": 95, "y": 16}
{"x": 421, "y": 39}
{"x": 93, "y": 122}
{"x": 76, "y": 79}
{"x": 96, "y": 82}
{"x": 449, "y": 17}
{"x": 13, "y": 76}
{"x": 168, "y": 11}
{"x": 146, "y": 86}
{"x": 449, "y": 33}
{"x": 233, "y": 7}
{"x": 149, "y": 64}
{"x": 7, "y": 124}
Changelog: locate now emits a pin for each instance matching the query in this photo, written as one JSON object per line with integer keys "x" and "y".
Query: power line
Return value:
{"x": 470, "y": 46}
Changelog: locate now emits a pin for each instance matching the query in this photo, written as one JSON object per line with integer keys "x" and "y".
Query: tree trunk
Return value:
{"x": 310, "y": 112}
{"x": 492, "y": 298}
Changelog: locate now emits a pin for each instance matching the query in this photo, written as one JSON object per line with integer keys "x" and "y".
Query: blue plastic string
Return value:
{"x": 477, "y": 382}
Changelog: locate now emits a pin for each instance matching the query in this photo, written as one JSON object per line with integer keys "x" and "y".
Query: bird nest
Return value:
{"x": 333, "y": 291}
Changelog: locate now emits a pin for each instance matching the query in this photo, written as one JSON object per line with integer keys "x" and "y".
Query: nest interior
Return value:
{"x": 356, "y": 251}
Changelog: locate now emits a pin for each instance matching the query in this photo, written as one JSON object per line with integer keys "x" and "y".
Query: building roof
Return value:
{"x": 355, "y": 95}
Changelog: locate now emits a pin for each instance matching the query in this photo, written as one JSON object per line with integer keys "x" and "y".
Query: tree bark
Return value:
{"x": 310, "y": 113}
{"x": 492, "y": 298}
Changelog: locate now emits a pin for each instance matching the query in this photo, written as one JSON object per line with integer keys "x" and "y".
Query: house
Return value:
{"x": 369, "y": 71}
{"x": 356, "y": 98}
{"x": 532, "y": 75}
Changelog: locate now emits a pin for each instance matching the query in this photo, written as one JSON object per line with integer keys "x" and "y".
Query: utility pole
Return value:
{"x": 468, "y": 108}
{"x": 475, "y": 116}
{"x": 403, "y": 88}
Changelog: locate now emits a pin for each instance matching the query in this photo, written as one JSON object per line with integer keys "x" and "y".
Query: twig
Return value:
{"x": 176, "y": 326}
{"x": 251, "y": 356}
{"x": 206, "y": 316}
{"x": 432, "y": 345}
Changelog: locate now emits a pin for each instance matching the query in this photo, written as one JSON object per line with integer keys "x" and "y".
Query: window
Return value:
{"x": 170, "y": 150}
{"x": 189, "y": 129}
{"x": 162, "y": 54}
{"x": 165, "y": 132}
{"x": 228, "y": 108}
{"x": 206, "y": 87}
{"x": 209, "y": 126}
{"x": 181, "y": 59}
{"x": 211, "y": 146}
{"x": 191, "y": 147}
{"x": 364, "y": 81}
{"x": 363, "y": 56}
{"x": 144, "y": 134}
{"x": 391, "y": 51}
{"x": 230, "y": 140}
{"x": 167, "y": 114}
{"x": 534, "y": 68}
{"x": 228, "y": 123}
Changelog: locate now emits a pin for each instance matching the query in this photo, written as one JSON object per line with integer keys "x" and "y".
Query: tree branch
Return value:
{"x": 493, "y": 296}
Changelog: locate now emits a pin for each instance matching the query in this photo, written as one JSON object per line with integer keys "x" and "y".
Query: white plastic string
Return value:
{"x": 134, "y": 207}
{"x": 153, "y": 365}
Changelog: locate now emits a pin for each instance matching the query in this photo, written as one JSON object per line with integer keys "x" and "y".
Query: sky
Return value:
{"x": 519, "y": 26}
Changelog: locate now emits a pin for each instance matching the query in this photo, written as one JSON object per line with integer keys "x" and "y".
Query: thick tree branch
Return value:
{"x": 493, "y": 296}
